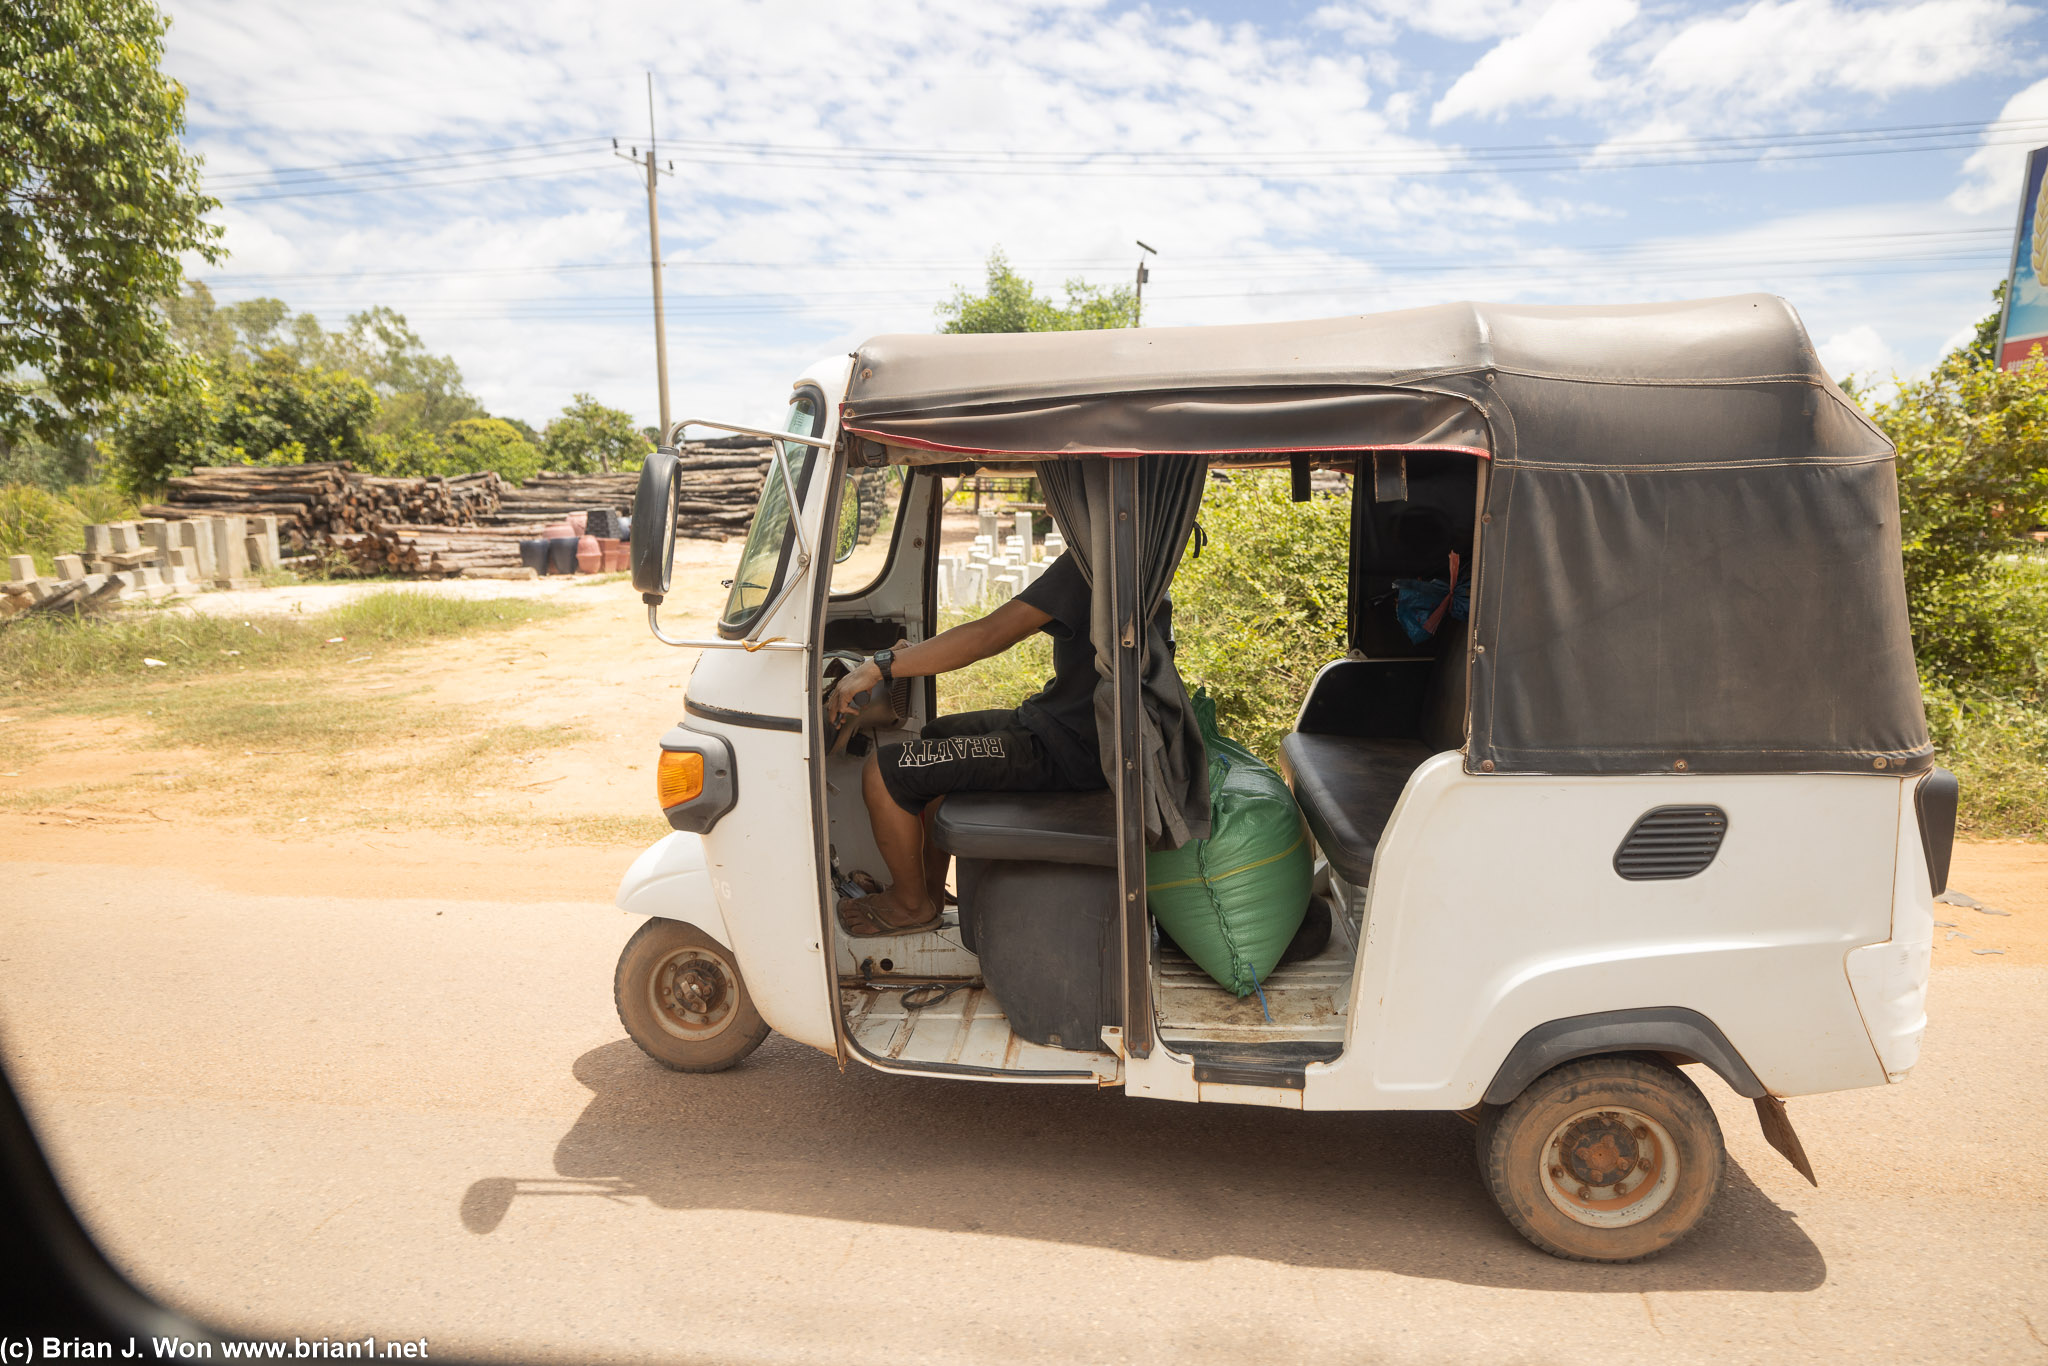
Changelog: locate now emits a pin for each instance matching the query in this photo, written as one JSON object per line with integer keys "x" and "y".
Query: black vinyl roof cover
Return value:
{"x": 1690, "y": 559}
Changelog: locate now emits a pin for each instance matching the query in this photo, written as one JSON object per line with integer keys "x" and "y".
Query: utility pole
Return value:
{"x": 1138, "y": 309}
{"x": 654, "y": 251}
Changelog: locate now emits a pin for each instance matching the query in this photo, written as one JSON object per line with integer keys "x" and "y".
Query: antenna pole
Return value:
{"x": 654, "y": 257}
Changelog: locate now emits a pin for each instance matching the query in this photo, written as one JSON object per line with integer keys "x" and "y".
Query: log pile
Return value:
{"x": 721, "y": 484}
{"x": 329, "y": 498}
{"x": 434, "y": 551}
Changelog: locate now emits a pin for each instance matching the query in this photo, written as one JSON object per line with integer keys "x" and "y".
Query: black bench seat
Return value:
{"x": 1037, "y": 827}
{"x": 1346, "y": 787}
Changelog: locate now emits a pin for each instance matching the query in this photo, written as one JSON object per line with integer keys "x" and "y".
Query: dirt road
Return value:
{"x": 338, "y": 1080}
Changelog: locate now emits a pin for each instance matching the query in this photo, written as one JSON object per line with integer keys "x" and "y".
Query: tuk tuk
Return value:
{"x": 1665, "y": 797}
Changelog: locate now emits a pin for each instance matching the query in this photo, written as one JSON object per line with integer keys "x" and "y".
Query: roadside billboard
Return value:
{"x": 2026, "y": 286}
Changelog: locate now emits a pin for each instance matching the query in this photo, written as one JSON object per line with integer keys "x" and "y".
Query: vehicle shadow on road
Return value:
{"x": 785, "y": 1133}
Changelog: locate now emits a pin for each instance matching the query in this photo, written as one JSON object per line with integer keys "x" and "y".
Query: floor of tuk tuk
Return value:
{"x": 1303, "y": 1002}
{"x": 967, "y": 1029}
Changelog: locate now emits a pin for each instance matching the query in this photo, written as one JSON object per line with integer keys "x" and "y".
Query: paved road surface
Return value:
{"x": 410, "y": 1118}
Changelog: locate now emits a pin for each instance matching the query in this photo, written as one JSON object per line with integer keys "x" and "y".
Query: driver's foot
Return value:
{"x": 885, "y": 914}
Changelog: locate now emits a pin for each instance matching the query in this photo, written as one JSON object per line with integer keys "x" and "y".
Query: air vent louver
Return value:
{"x": 1671, "y": 842}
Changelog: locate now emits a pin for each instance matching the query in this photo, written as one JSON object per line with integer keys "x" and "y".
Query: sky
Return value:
{"x": 841, "y": 169}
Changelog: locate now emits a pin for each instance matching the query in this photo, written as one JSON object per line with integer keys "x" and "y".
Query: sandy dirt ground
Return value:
{"x": 308, "y": 1076}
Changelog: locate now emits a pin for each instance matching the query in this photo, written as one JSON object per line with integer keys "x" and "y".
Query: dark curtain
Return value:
{"x": 1175, "y": 765}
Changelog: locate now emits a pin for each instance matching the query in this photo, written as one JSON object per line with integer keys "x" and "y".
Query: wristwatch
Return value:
{"x": 885, "y": 660}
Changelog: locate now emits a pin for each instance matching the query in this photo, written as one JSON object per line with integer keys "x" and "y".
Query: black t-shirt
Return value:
{"x": 1062, "y": 713}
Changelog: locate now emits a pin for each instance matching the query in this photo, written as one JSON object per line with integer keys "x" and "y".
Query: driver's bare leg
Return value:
{"x": 900, "y": 836}
{"x": 936, "y": 860}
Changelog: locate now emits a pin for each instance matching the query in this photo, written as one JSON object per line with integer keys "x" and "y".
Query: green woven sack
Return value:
{"x": 1234, "y": 900}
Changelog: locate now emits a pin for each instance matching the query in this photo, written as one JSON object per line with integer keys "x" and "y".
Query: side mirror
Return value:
{"x": 851, "y": 498}
{"x": 653, "y": 544}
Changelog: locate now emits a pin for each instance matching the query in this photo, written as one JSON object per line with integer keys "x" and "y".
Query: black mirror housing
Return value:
{"x": 653, "y": 543}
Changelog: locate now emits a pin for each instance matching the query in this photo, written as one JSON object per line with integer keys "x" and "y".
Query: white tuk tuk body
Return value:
{"x": 1490, "y": 939}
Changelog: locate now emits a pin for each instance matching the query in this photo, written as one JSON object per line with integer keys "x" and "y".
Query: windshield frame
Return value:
{"x": 735, "y": 627}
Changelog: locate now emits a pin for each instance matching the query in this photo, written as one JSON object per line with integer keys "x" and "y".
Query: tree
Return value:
{"x": 97, "y": 201}
{"x": 590, "y": 436}
{"x": 1010, "y": 304}
{"x": 488, "y": 443}
{"x": 271, "y": 411}
{"x": 1973, "y": 481}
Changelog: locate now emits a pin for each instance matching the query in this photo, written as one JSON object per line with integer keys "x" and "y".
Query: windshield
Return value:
{"x": 765, "y": 559}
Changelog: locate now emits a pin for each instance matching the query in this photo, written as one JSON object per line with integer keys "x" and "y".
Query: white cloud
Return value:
{"x": 1467, "y": 21}
{"x": 1777, "y": 52}
{"x": 775, "y": 264}
{"x": 1860, "y": 353}
{"x": 1728, "y": 70}
{"x": 1992, "y": 176}
{"x": 1548, "y": 65}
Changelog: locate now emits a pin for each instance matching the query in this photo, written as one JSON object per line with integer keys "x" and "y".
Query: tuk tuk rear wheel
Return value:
{"x": 681, "y": 998}
{"x": 1607, "y": 1159}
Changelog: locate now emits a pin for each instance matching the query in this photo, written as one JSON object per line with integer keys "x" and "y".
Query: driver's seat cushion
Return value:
{"x": 1033, "y": 827}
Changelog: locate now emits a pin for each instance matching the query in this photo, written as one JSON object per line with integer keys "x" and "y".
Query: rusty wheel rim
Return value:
{"x": 695, "y": 994}
{"x": 1609, "y": 1167}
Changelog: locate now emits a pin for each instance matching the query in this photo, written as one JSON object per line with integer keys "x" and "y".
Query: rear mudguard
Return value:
{"x": 671, "y": 880}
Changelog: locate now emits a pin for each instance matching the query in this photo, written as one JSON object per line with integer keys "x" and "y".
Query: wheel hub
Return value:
{"x": 694, "y": 994}
{"x": 1599, "y": 1150}
{"x": 1609, "y": 1167}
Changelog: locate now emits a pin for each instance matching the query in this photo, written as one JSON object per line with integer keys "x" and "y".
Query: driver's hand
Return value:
{"x": 862, "y": 678}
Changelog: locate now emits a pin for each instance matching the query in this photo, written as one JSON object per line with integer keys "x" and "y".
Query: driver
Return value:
{"x": 1047, "y": 744}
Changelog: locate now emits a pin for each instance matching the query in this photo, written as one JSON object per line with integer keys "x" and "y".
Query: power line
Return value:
{"x": 1307, "y": 257}
{"x": 1383, "y": 162}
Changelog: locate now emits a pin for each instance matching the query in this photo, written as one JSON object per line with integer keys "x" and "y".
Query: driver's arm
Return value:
{"x": 965, "y": 644}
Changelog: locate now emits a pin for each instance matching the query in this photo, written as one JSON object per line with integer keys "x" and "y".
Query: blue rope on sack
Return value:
{"x": 1254, "y": 973}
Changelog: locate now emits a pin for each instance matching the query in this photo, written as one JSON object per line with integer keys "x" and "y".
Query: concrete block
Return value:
{"x": 99, "y": 540}
{"x": 126, "y": 539}
{"x": 21, "y": 567}
{"x": 95, "y": 582}
{"x": 70, "y": 566}
{"x": 185, "y": 560}
{"x": 1024, "y": 532}
{"x": 266, "y": 526}
{"x": 262, "y": 554}
{"x": 156, "y": 535}
{"x": 973, "y": 581}
{"x": 230, "y": 537}
{"x": 196, "y": 536}
{"x": 127, "y": 578}
{"x": 150, "y": 576}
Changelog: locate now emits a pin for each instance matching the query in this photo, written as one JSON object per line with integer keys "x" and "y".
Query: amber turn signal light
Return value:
{"x": 679, "y": 778}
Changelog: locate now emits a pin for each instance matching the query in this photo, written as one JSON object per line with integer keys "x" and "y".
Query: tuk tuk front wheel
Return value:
{"x": 683, "y": 1001}
{"x": 1607, "y": 1159}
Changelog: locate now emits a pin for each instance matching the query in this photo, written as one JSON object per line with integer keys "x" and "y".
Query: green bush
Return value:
{"x": 34, "y": 521}
{"x": 1262, "y": 607}
{"x": 99, "y": 503}
{"x": 1973, "y": 480}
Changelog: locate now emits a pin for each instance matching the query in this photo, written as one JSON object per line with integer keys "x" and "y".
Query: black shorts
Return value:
{"x": 974, "y": 751}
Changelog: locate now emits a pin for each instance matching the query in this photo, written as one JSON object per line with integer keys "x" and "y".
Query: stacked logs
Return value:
{"x": 721, "y": 484}
{"x": 434, "y": 551}
{"x": 328, "y": 498}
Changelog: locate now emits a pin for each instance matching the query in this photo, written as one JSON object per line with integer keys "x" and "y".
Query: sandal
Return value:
{"x": 861, "y": 922}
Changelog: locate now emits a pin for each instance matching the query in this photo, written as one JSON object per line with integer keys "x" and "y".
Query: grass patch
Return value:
{"x": 49, "y": 654}
{"x": 1001, "y": 681}
{"x": 225, "y": 715}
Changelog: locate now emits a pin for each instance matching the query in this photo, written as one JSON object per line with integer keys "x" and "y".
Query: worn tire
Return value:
{"x": 681, "y": 998}
{"x": 1631, "y": 1120}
